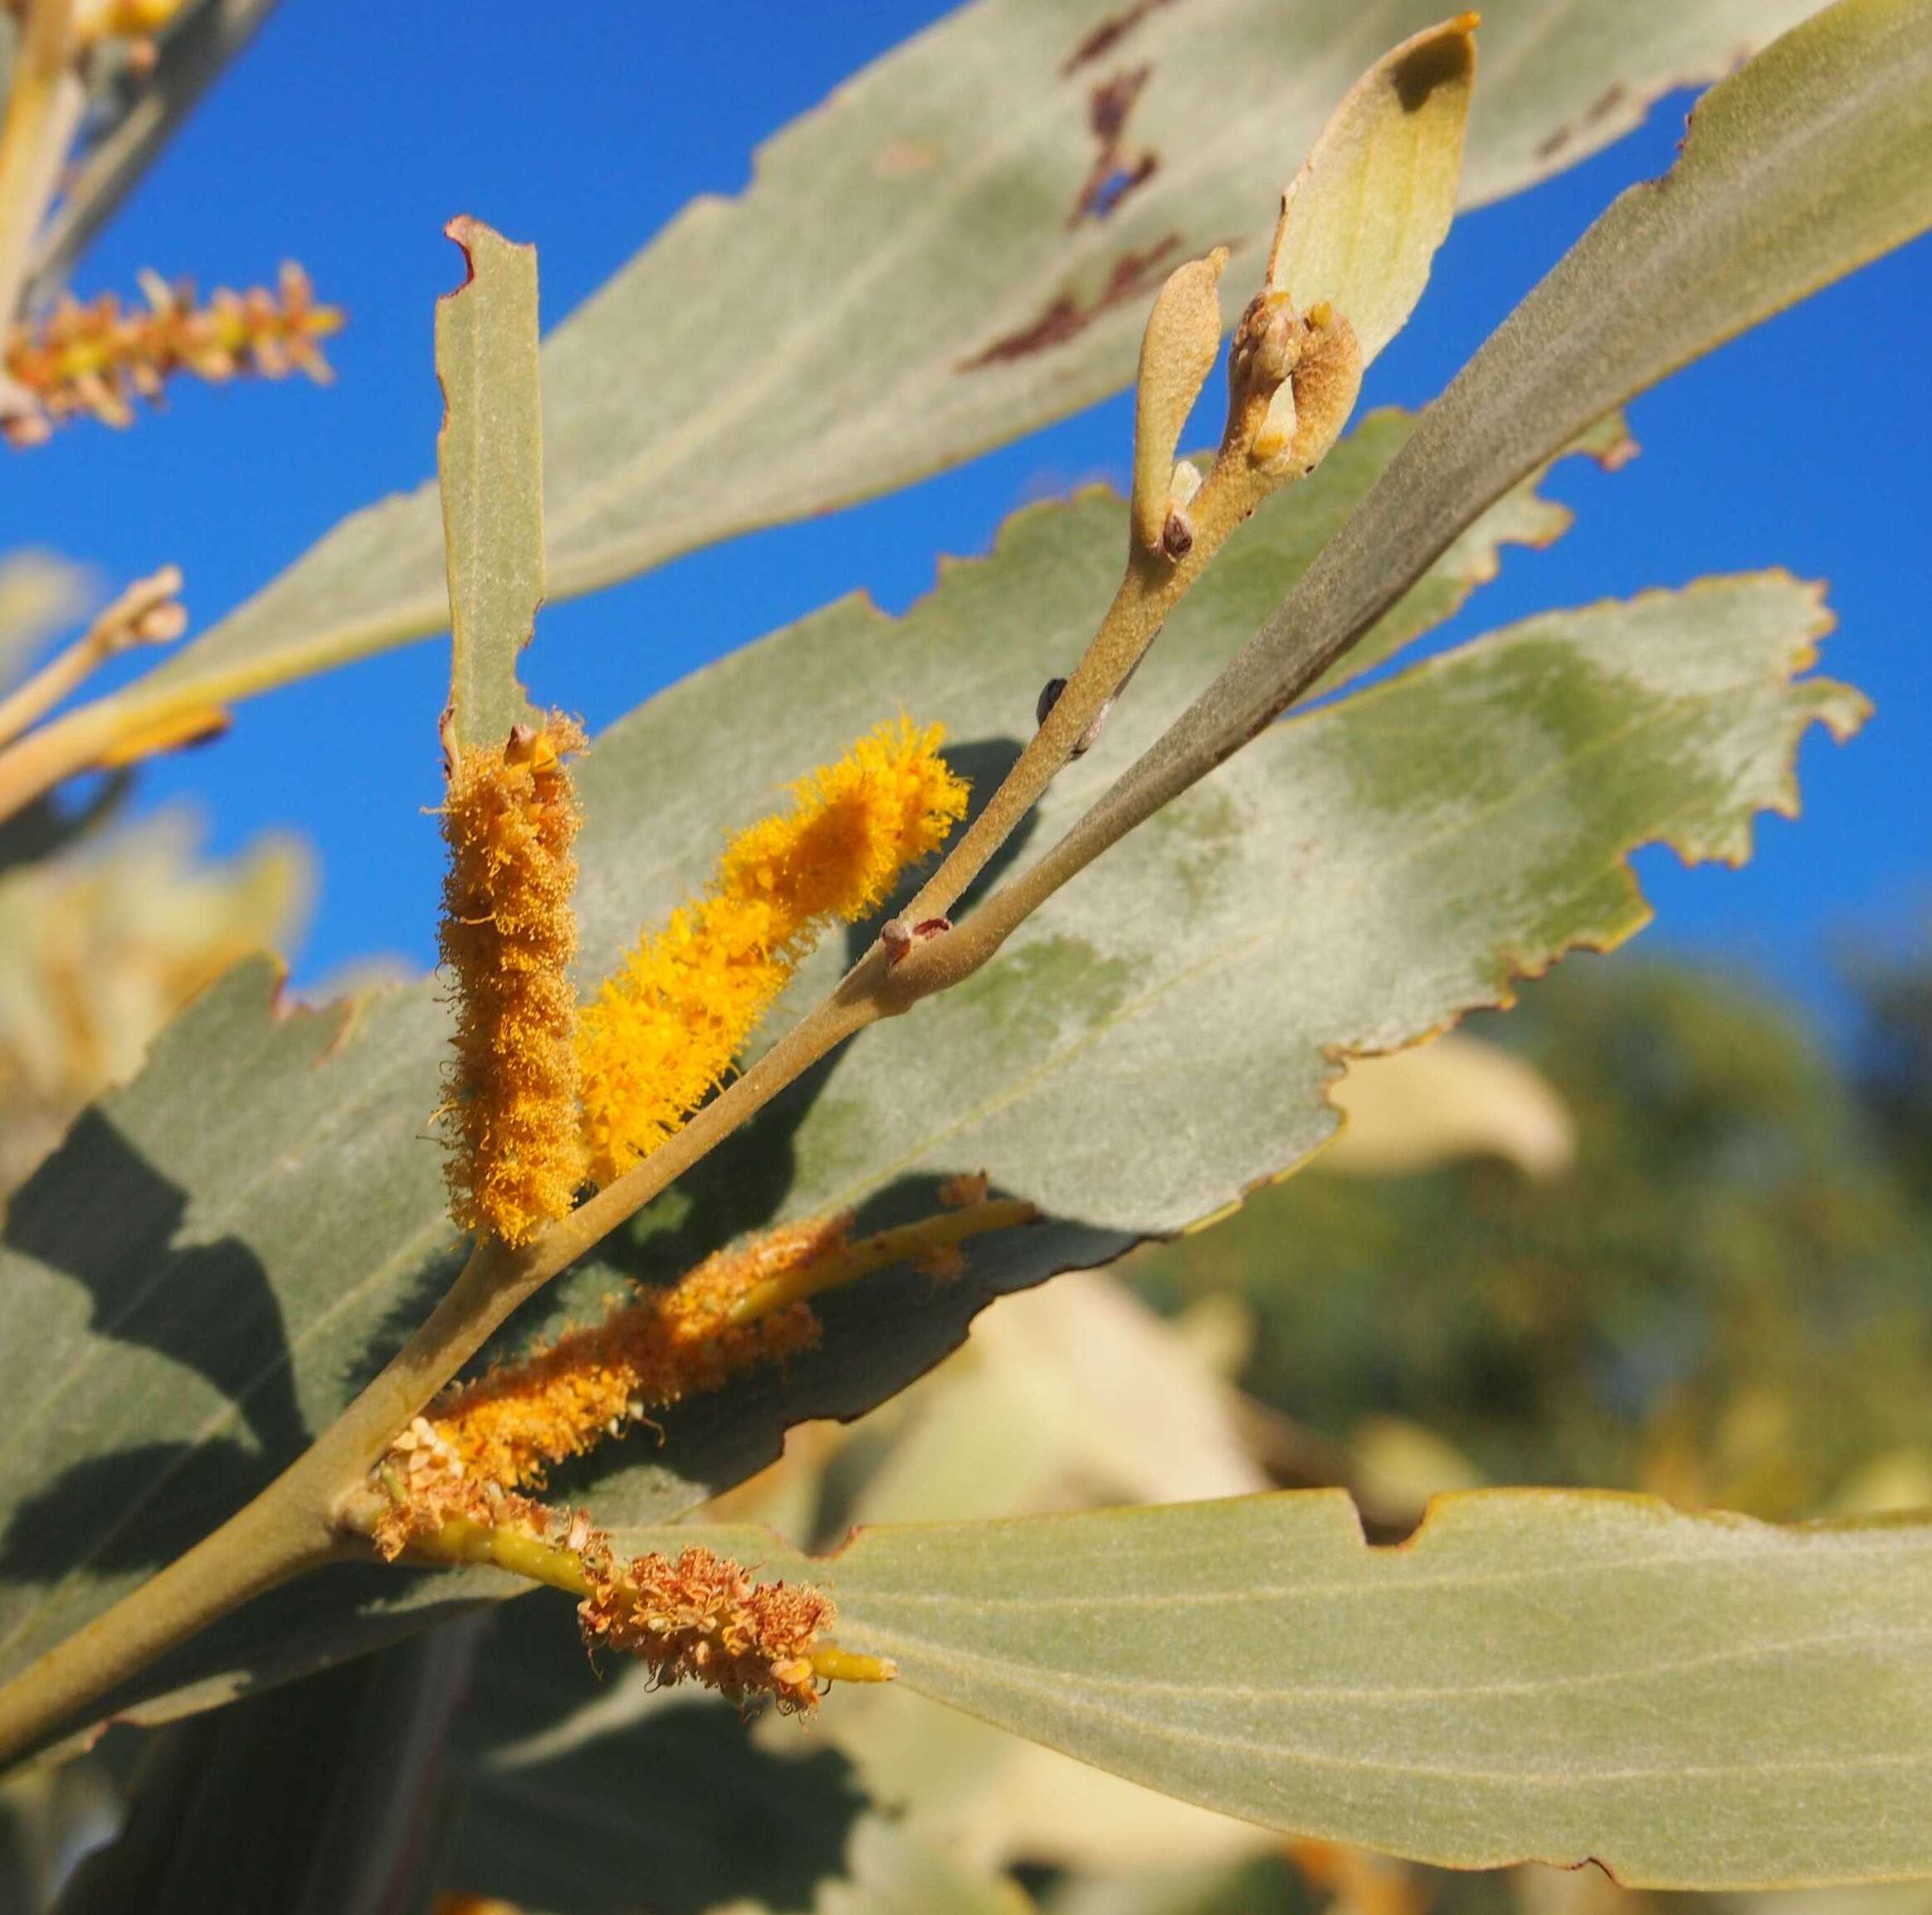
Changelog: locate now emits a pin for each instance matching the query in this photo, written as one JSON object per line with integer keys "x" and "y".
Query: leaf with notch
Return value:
{"x": 1812, "y": 159}
{"x": 860, "y": 317}
{"x": 1690, "y": 1701}
{"x": 490, "y": 454}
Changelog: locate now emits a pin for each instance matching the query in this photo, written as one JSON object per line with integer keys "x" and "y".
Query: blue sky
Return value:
{"x": 350, "y": 133}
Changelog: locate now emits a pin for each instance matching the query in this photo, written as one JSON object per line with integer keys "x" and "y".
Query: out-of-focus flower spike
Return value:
{"x": 95, "y": 360}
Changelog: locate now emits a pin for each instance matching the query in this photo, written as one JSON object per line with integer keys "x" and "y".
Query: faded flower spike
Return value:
{"x": 665, "y": 1030}
{"x": 511, "y": 1426}
{"x": 704, "y": 1619}
{"x": 507, "y": 937}
{"x": 484, "y": 1444}
{"x": 741, "y": 1306}
{"x": 96, "y": 360}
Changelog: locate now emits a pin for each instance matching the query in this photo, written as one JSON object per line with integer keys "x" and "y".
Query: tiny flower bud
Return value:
{"x": 1049, "y": 697}
{"x": 1267, "y": 343}
{"x": 1326, "y": 384}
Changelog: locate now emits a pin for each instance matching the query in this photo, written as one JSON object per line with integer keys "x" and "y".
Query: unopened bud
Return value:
{"x": 1326, "y": 385}
{"x": 1267, "y": 345}
{"x": 1176, "y": 354}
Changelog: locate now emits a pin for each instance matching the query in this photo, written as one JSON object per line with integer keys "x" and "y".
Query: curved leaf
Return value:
{"x": 1361, "y": 221}
{"x": 1690, "y": 1701}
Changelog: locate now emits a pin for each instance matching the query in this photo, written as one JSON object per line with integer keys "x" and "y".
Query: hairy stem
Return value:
{"x": 1152, "y": 587}
{"x": 291, "y": 1526}
{"x": 280, "y": 1532}
{"x": 461, "y": 1543}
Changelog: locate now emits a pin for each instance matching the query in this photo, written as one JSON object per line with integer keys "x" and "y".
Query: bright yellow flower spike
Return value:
{"x": 666, "y": 1029}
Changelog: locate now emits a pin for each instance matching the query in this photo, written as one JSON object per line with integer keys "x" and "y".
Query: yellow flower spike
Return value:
{"x": 508, "y": 937}
{"x": 665, "y": 1030}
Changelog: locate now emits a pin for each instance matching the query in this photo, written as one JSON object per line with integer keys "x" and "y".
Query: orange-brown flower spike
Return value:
{"x": 509, "y": 1427}
{"x": 704, "y": 1619}
{"x": 508, "y": 935}
{"x": 665, "y": 1030}
{"x": 96, "y": 360}
{"x": 740, "y": 1306}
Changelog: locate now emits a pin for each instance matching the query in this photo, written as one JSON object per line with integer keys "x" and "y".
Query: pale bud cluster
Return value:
{"x": 1293, "y": 377}
{"x": 1292, "y": 381}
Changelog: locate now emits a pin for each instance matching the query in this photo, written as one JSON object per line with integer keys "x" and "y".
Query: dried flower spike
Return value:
{"x": 704, "y": 1619}
{"x": 95, "y": 360}
{"x": 665, "y": 1030}
{"x": 508, "y": 935}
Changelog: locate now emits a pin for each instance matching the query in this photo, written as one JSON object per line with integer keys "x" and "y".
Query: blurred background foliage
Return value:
{"x": 1723, "y": 1299}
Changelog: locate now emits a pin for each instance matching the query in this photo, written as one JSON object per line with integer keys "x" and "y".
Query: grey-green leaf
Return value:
{"x": 912, "y": 277}
{"x": 490, "y": 456}
{"x": 1812, "y": 159}
{"x": 1690, "y": 1701}
{"x": 1157, "y": 1041}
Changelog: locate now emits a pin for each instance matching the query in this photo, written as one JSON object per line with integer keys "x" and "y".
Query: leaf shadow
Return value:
{"x": 42, "y": 830}
{"x": 559, "y": 1764}
{"x": 208, "y": 1307}
{"x": 50, "y": 1534}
